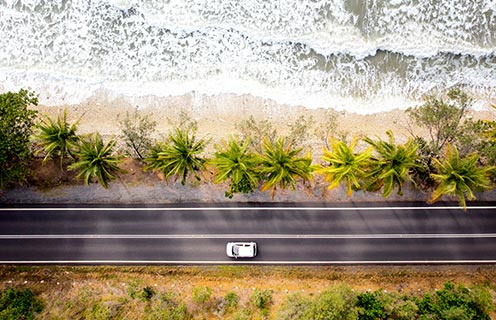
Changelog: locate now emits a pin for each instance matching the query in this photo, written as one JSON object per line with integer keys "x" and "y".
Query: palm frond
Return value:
{"x": 96, "y": 160}
{"x": 459, "y": 177}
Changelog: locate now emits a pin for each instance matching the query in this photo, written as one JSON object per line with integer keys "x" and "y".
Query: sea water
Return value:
{"x": 357, "y": 55}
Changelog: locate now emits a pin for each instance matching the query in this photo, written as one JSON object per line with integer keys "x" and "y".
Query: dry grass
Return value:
{"x": 114, "y": 292}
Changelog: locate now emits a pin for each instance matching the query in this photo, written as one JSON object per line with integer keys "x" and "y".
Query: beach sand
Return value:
{"x": 219, "y": 116}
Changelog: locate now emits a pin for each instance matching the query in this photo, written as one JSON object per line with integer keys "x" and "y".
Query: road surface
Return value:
{"x": 296, "y": 234}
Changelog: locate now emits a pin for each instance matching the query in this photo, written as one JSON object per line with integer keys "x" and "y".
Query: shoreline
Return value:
{"x": 218, "y": 116}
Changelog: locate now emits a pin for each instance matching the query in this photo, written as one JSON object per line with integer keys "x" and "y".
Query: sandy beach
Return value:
{"x": 219, "y": 116}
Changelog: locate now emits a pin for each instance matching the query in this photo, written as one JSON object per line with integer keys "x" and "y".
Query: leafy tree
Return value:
{"x": 459, "y": 177}
{"x": 256, "y": 132}
{"x": 179, "y": 156}
{"x": 295, "y": 307}
{"x": 57, "y": 137}
{"x": 472, "y": 137}
{"x": 345, "y": 165}
{"x": 391, "y": 167}
{"x": 19, "y": 304}
{"x": 235, "y": 162}
{"x": 335, "y": 304}
{"x": 442, "y": 118}
{"x": 16, "y": 121}
{"x": 136, "y": 132}
{"x": 96, "y": 160}
{"x": 280, "y": 166}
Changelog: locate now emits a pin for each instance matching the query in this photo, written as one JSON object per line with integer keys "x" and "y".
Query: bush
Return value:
{"x": 256, "y": 131}
{"x": 369, "y": 306}
{"x": 231, "y": 299}
{"x": 295, "y": 307}
{"x": 262, "y": 299}
{"x": 147, "y": 293}
{"x": 338, "y": 303}
{"x": 19, "y": 304}
{"x": 136, "y": 132}
{"x": 397, "y": 306}
{"x": 457, "y": 303}
{"x": 299, "y": 131}
{"x": 166, "y": 307}
{"x": 16, "y": 123}
{"x": 201, "y": 294}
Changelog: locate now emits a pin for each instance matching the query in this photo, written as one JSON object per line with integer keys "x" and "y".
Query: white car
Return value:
{"x": 241, "y": 249}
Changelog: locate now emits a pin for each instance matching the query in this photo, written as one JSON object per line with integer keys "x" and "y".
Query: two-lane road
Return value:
{"x": 300, "y": 234}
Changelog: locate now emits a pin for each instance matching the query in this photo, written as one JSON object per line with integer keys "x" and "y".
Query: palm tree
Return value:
{"x": 57, "y": 138}
{"x": 459, "y": 177}
{"x": 95, "y": 159}
{"x": 234, "y": 161}
{"x": 391, "y": 167}
{"x": 280, "y": 166}
{"x": 179, "y": 156}
{"x": 345, "y": 165}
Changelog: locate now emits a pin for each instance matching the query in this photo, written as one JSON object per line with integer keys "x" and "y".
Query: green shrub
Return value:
{"x": 19, "y": 304}
{"x": 166, "y": 307}
{"x": 369, "y": 306}
{"x": 456, "y": 302}
{"x": 231, "y": 299}
{"x": 136, "y": 131}
{"x": 107, "y": 310}
{"x": 256, "y": 131}
{"x": 336, "y": 303}
{"x": 147, "y": 293}
{"x": 16, "y": 123}
{"x": 201, "y": 294}
{"x": 262, "y": 299}
{"x": 295, "y": 307}
{"x": 397, "y": 306}
{"x": 299, "y": 131}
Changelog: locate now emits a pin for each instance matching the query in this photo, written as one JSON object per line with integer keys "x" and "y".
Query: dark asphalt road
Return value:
{"x": 284, "y": 235}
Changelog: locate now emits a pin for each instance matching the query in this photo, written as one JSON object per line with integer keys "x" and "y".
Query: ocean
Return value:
{"x": 364, "y": 56}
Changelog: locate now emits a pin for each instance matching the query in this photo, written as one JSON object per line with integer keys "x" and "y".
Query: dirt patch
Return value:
{"x": 51, "y": 173}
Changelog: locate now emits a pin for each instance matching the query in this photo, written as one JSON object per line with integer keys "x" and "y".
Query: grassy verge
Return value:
{"x": 217, "y": 292}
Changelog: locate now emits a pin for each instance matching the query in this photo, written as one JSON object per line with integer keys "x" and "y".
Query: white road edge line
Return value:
{"x": 249, "y": 236}
{"x": 251, "y": 208}
{"x": 243, "y": 262}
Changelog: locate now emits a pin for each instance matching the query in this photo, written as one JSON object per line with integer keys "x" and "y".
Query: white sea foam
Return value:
{"x": 362, "y": 56}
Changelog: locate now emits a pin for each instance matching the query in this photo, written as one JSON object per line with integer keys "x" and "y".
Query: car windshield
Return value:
{"x": 235, "y": 250}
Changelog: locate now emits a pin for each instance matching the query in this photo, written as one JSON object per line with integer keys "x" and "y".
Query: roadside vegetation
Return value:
{"x": 456, "y": 159}
{"x": 248, "y": 292}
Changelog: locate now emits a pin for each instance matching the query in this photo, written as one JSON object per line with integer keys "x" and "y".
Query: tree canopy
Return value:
{"x": 16, "y": 123}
